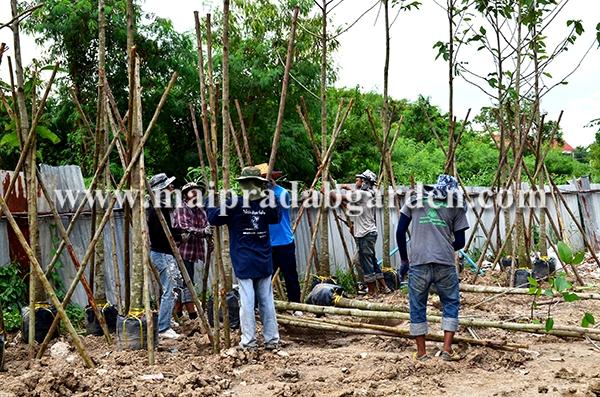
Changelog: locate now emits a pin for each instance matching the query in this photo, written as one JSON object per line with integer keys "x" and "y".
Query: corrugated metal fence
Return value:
{"x": 585, "y": 204}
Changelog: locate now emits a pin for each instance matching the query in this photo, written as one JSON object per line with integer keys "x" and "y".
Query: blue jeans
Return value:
{"x": 169, "y": 278}
{"x": 263, "y": 290}
{"x": 445, "y": 279}
{"x": 367, "y": 258}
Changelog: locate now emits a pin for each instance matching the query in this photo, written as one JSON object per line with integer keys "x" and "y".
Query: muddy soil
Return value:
{"x": 313, "y": 363}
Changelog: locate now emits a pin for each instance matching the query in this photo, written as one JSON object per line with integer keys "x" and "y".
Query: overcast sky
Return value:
{"x": 413, "y": 70}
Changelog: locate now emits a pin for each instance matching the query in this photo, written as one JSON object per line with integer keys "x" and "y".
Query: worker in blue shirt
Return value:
{"x": 283, "y": 245}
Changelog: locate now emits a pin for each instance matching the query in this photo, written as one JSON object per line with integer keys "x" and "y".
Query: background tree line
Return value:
{"x": 258, "y": 34}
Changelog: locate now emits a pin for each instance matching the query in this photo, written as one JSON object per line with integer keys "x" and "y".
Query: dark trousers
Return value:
{"x": 284, "y": 258}
{"x": 367, "y": 258}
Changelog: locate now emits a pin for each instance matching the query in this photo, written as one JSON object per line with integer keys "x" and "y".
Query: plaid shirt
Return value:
{"x": 192, "y": 221}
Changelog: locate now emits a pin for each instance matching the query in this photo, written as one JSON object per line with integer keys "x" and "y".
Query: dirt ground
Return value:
{"x": 330, "y": 364}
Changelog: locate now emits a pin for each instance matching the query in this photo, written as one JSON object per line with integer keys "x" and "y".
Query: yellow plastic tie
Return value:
{"x": 336, "y": 299}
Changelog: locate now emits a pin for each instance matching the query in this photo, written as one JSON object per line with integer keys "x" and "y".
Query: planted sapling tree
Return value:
{"x": 558, "y": 286}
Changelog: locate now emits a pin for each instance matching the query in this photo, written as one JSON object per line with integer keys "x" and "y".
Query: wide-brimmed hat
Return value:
{"x": 161, "y": 181}
{"x": 251, "y": 173}
{"x": 264, "y": 170}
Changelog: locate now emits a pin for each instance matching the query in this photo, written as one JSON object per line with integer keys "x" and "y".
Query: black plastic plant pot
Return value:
{"x": 392, "y": 279}
{"x": 233, "y": 305}
{"x": 542, "y": 268}
{"x": 132, "y": 332}
{"x": 44, "y": 316}
{"x": 321, "y": 280}
{"x": 2, "y": 344}
{"x": 505, "y": 263}
{"x": 522, "y": 278}
{"x": 324, "y": 294}
{"x": 92, "y": 325}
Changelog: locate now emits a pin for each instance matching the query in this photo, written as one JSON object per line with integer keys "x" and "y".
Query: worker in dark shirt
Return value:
{"x": 438, "y": 222}
{"x": 161, "y": 254}
{"x": 248, "y": 221}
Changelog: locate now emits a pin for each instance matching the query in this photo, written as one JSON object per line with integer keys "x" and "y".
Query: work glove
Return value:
{"x": 404, "y": 266}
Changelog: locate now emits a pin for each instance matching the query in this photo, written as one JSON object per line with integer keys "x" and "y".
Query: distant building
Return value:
{"x": 563, "y": 145}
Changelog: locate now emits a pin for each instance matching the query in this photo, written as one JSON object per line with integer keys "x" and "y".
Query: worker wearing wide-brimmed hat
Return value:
{"x": 282, "y": 237}
{"x": 161, "y": 254}
{"x": 196, "y": 237}
{"x": 250, "y": 250}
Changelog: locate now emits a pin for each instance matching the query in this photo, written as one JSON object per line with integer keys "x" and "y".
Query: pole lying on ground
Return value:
{"x": 562, "y": 331}
{"x": 354, "y": 328}
{"x": 515, "y": 291}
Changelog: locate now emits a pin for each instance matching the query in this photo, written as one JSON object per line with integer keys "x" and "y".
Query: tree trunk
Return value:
{"x": 36, "y": 291}
{"x": 101, "y": 146}
{"x": 137, "y": 186}
{"x": 523, "y": 258}
{"x": 324, "y": 241}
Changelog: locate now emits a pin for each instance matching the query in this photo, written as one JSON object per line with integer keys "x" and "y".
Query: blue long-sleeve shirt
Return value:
{"x": 249, "y": 241}
{"x": 281, "y": 233}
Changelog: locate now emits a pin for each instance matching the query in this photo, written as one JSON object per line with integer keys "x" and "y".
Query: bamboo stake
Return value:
{"x": 558, "y": 330}
{"x": 244, "y": 134}
{"x": 136, "y": 155}
{"x": 47, "y": 286}
{"x": 312, "y": 249}
{"x": 197, "y": 135}
{"x": 325, "y": 160}
{"x": 180, "y": 263}
{"x": 63, "y": 234}
{"x": 236, "y": 143}
{"x": 145, "y": 266}
{"x": 284, "y": 89}
{"x": 515, "y": 291}
{"x": 365, "y": 305}
{"x": 204, "y": 107}
{"x": 362, "y": 328}
{"x": 345, "y": 246}
{"x": 30, "y": 139}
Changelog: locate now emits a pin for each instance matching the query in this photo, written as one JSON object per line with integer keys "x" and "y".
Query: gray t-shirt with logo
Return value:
{"x": 362, "y": 212}
{"x": 432, "y": 231}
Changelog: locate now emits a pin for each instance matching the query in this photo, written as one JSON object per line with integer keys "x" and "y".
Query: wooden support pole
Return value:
{"x": 381, "y": 330}
{"x": 197, "y": 136}
{"x": 284, "y": 89}
{"x": 63, "y": 234}
{"x": 247, "y": 152}
{"x": 135, "y": 156}
{"x": 39, "y": 273}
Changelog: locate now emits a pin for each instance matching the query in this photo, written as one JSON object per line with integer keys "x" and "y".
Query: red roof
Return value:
{"x": 566, "y": 148}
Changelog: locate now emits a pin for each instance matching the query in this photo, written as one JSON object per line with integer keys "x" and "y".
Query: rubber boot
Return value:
{"x": 372, "y": 288}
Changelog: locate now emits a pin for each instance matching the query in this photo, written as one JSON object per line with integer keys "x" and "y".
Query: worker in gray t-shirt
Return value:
{"x": 361, "y": 203}
{"x": 437, "y": 220}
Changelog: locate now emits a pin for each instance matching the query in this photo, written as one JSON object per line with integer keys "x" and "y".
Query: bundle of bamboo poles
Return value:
{"x": 357, "y": 309}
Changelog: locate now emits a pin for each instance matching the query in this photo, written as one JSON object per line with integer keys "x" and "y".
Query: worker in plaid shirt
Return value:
{"x": 190, "y": 219}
